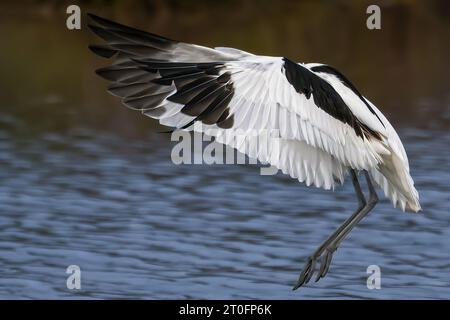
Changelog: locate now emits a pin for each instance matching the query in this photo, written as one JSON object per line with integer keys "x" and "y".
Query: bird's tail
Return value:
{"x": 393, "y": 176}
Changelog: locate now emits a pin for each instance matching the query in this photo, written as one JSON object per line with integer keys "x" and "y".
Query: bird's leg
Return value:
{"x": 308, "y": 269}
{"x": 331, "y": 248}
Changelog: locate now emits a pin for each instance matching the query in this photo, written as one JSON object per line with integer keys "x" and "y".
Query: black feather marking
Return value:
{"x": 181, "y": 73}
{"x": 202, "y": 100}
{"x": 138, "y": 39}
{"x": 226, "y": 120}
{"x": 135, "y": 49}
{"x": 125, "y": 74}
{"x": 162, "y": 81}
{"x": 346, "y": 82}
{"x": 136, "y": 89}
{"x": 126, "y": 90}
{"x": 151, "y": 63}
{"x": 174, "y": 74}
{"x": 106, "y": 35}
{"x": 187, "y": 92}
{"x": 325, "y": 97}
{"x": 179, "y": 76}
{"x": 213, "y": 108}
{"x": 152, "y": 38}
{"x": 216, "y": 108}
{"x": 158, "y": 64}
{"x": 145, "y": 102}
{"x": 102, "y": 50}
{"x": 138, "y": 78}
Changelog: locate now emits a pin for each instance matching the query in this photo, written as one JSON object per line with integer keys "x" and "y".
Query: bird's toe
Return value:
{"x": 325, "y": 264}
{"x": 306, "y": 274}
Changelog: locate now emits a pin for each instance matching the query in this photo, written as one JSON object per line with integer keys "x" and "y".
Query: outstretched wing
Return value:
{"x": 183, "y": 84}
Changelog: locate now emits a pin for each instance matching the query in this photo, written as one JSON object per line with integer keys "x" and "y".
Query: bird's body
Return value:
{"x": 324, "y": 126}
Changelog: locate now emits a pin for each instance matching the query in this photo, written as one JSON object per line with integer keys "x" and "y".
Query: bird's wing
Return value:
{"x": 183, "y": 84}
{"x": 124, "y": 42}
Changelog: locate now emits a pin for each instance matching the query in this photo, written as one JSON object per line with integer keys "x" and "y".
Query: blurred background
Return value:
{"x": 85, "y": 181}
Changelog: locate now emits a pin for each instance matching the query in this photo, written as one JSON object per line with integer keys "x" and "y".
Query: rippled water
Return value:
{"x": 141, "y": 227}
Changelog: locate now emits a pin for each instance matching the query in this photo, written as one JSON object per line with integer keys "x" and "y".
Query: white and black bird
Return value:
{"x": 326, "y": 127}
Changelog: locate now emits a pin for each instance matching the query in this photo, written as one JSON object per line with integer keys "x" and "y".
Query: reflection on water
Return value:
{"x": 84, "y": 181}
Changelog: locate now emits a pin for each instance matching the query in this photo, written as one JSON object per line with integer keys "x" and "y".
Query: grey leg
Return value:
{"x": 331, "y": 248}
{"x": 309, "y": 267}
{"x": 373, "y": 199}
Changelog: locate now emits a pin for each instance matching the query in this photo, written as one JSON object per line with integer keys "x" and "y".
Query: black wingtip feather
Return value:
{"x": 141, "y": 56}
{"x": 105, "y": 23}
{"x": 102, "y": 50}
{"x": 102, "y": 33}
